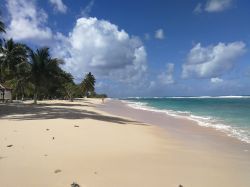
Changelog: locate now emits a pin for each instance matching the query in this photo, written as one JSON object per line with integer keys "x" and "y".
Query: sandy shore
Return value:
{"x": 56, "y": 143}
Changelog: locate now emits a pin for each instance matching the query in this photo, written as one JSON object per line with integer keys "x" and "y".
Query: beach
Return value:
{"x": 56, "y": 143}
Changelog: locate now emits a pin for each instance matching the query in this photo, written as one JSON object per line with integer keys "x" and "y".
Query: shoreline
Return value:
{"x": 182, "y": 128}
{"x": 203, "y": 121}
{"x": 56, "y": 143}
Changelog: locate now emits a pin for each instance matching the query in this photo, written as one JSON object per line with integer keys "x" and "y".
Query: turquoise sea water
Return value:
{"x": 229, "y": 114}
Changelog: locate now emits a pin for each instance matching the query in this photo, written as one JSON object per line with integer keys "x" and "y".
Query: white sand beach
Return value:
{"x": 56, "y": 143}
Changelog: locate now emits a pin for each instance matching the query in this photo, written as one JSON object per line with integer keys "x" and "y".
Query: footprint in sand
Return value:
{"x": 57, "y": 171}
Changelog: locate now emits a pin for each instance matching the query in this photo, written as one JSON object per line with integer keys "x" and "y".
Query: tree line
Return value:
{"x": 36, "y": 74}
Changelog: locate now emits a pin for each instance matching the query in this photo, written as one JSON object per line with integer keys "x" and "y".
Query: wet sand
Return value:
{"x": 181, "y": 128}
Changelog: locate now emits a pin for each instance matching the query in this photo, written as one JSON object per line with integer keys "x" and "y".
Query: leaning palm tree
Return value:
{"x": 2, "y": 30}
{"x": 88, "y": 84}
{"x": 43, "y": 69}
{"x": 2, "y": 27}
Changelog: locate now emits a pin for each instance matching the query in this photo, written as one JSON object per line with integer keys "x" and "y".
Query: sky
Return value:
{"x": 149, "y": 48}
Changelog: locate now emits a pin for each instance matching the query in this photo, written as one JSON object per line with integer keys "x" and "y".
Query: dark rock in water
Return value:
{"x": 47, "y": 129}
{"x": 75, "y": 185}
{"x": 180, "y": 185}
{"x": 53, "y": 138}
{"x": 76, "y": 126}
{"x": 9, "y": 145}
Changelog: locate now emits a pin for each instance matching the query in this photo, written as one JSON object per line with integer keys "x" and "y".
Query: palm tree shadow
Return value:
{"x": 58, "y": 111}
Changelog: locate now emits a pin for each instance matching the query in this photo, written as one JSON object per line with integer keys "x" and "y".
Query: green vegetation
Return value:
{"x": 37, "y": 75}
{"x": 88, "y": 84}
{"x": 2, "y": 26}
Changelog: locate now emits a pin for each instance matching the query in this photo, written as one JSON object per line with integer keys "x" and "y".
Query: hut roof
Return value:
{"x": 2, "y": 87}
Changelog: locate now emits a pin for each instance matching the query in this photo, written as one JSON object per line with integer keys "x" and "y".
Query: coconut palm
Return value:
{"x": 12, "y": 55}
{"x": 88, "y": 84}
{"x": 43, "y": 69}
{"x": 2, "y": 27}
{"x": 2, "y": 30}
{"x": 14, "y": 67}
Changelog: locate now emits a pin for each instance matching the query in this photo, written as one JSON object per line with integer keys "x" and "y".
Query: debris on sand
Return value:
{"x": 75, "y": 185}
{"x": 57, "y": 171}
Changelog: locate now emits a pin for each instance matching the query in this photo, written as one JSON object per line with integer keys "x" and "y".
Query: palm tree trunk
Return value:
{"x": 35, "y": 98}
{"x": 86, "y": 93}
{"x": 11, "y": 100}
{"x": 22, "y": 90}
{"x": 35, "y": 95}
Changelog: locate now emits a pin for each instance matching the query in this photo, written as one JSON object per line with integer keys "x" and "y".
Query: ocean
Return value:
{"x": 229, "y": 114}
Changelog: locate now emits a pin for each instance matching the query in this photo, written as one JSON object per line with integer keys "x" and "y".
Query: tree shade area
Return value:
{"x": 35, "y": 74}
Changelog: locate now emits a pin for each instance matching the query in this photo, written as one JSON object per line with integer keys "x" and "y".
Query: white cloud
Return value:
{"x": 98, "y": 46}
{"x": 198, "y": 8}
{"x": 85, "y": 12}
{"x": 59, "y": 5}
{"x": 212, "y": 61}
{"x": 213, "y": 6}
{"x": 27, "y": 22}
{"x": 217, "y": 5}
{"x": 159, "y": 34}
{"x": 216, "y": 80}
{"x": 167, "y": 77}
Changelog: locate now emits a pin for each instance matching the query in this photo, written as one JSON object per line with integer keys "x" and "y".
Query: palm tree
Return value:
{"x": 14, "y": 67}
{"x": 2, "y": 30}
{"x": 43, "y": 69}
{"x": 20, "y": 82}
{"x": 13, "y": 57}
{"x": 88, "y": 84}
{"x": 70, "y": 90}
{"x": 2, "y": 27}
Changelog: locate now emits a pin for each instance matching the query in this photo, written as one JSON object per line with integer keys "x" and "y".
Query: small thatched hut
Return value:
{"x": 5, "y": 93}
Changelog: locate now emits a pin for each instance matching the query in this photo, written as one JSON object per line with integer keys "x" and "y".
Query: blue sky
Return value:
{"x": 149, "y": 48}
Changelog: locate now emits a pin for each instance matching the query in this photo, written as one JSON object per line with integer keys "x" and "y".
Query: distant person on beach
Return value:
{"x": 103, "y": 100}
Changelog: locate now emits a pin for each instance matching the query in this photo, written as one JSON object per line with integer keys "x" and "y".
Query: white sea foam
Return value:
{"x": 193, "y": 97}
{"x": 204, "y": 121}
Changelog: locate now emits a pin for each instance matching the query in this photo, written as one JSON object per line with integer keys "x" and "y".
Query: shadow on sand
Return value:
{"x": 58, "y": 111}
